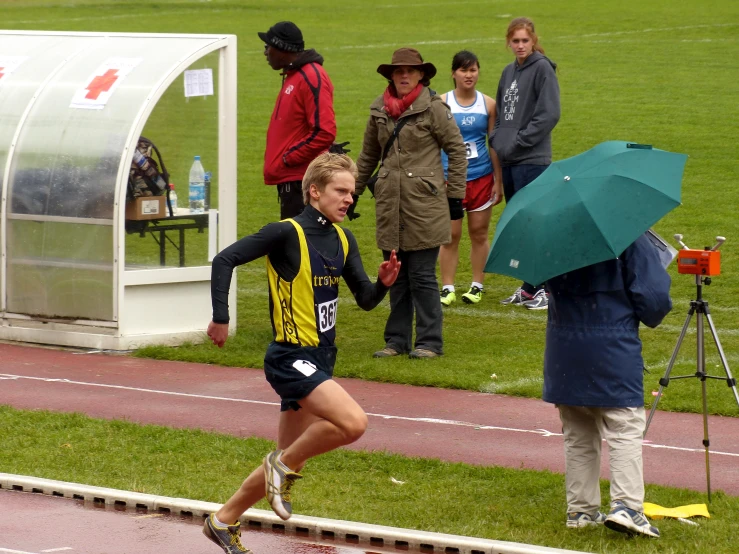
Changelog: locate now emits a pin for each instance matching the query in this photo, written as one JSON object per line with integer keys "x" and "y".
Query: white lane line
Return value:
{"x": 541, "y": 432}
{"x": 137, "y": 389}
{"x": 15, "y": 551}
{"x": 62, "y": 549}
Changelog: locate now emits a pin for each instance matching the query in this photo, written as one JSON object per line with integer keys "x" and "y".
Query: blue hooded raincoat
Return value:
{"x": 593, "y": 353}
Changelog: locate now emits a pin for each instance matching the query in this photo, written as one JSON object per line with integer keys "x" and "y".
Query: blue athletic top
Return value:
{"x": 472, "y": 121}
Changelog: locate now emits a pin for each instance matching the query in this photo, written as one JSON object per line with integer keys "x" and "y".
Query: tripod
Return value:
{"x": 700, "y": 307}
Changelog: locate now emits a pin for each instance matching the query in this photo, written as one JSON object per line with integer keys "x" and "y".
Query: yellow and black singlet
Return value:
{"x": 303, "y": 310}
{"x": 290, "y": 246}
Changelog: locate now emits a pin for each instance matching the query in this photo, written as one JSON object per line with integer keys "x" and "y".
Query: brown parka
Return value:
{"x": 411, "y": 197}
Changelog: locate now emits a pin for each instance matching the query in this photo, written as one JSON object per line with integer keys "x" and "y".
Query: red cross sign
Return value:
{"x": 101, "y": 83}
{"x": 1, "y": 72}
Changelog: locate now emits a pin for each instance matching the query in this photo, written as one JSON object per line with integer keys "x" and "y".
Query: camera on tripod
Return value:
{"x": 699, "y": 262}
{"x": 702, "y": 264}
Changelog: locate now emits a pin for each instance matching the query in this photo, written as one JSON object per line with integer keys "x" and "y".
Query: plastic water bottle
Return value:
{"x": 173, "y": 199}
{"x": 141, "y": 161}
{"x": 197, "y": 187}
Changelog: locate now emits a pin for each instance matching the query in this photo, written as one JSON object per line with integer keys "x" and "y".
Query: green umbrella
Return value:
{"x": 584, "y": 210}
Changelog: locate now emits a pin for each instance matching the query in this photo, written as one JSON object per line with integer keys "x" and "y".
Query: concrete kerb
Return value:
{"x": 352, "y": 533}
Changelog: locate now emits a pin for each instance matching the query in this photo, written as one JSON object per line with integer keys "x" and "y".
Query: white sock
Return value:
{"x": 219, "y": 523}
{"x": 476, "y": 284}
{"x": 279, "y": 460}
{"x": 450, "y": 288}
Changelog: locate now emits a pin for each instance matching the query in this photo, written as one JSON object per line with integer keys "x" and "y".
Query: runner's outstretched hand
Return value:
{"x": 218, "y": 333}
{"x": 388, "y": 271}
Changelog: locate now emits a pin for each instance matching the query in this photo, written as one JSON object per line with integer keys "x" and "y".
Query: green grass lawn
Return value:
{"x": 489, "y": 502}
{"x": 655, "y": 72}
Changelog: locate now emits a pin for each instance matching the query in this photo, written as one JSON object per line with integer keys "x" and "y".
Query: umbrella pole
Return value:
{"x": 700, "y": 307}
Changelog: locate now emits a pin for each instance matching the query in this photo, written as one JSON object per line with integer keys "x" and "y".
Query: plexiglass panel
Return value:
{"x": 181, "y": 128}
{"x": 62, "y": 192}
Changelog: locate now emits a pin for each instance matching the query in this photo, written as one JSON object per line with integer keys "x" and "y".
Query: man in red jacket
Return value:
{"x": 303, "y": 124}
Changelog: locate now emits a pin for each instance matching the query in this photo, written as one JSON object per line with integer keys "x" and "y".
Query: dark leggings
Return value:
{"x": 515, "y": 177}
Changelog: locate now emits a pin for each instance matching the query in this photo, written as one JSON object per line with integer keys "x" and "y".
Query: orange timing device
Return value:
{"x": 699, "y": 262}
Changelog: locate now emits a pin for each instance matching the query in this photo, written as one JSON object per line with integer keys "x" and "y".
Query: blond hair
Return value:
{"x": 321, "y": 171}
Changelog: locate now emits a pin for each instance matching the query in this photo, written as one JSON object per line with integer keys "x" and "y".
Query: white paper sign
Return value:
{"x": 198, "y": 82}
{"x": 8, "y": 64}
{"x": 101, "y": 85}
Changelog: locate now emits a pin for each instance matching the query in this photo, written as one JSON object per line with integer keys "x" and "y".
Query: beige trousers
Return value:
{"x": 584, "y": 430}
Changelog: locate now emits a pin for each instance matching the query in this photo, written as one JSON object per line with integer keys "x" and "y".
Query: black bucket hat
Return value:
{"x": 407, "y": 56}
{"x": 285, "y": 36}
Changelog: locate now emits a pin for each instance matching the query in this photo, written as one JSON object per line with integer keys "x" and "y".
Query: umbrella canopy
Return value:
{"x": 584, "y": 210}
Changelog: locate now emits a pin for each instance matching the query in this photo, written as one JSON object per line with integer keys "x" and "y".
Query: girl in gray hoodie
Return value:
{"x": 528, "y": 109}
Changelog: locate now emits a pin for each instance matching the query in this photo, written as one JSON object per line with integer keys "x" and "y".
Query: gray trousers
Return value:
{"x": 584, "y": 430}
{"x": 415, "y": 291}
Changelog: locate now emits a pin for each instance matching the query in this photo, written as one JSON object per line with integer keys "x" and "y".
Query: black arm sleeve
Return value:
{"x": 275, "y": 239}
{"x": 367, "y": 294}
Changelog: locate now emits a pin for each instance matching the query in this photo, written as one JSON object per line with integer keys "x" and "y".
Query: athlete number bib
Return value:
{"x": 471, "y": 148}
{"x": 327, "y": 315}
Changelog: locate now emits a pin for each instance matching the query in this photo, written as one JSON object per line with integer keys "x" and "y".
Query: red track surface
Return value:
{"x": 33, "y": 523}
{"x": 415, "y": 421}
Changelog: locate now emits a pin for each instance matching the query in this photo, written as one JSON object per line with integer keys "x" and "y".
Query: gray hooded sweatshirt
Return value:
{"x": 528, "y": 109}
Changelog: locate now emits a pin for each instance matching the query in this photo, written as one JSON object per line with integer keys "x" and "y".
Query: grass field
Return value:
{"x": 652, "y": 72}
{"x": 490, "y": 502}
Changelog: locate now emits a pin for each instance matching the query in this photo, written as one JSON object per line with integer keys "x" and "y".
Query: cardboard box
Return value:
{"x": 147, "y": 207}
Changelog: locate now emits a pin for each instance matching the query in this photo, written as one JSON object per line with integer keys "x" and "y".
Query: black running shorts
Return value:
{"x": 294, "y": 371}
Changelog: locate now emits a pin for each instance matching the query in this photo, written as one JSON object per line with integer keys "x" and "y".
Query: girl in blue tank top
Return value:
{"x": 475, "y": 114}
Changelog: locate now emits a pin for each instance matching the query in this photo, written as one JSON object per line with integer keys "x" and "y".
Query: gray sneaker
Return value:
{"x": 577, "y": 520}
{"x": 386, "y": 352}
{"x": 625, "y": 520}
{"x": 540, "y": 301}
{"x": 228, "y": 538}
{"x": 517, "y": 298}
{"x": 279, "y": 479}
{"x": 420, "y": 353}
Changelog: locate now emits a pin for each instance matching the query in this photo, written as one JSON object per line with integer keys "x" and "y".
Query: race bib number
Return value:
{"x": 327, "y": 315}
{"x": 471, "y": 148}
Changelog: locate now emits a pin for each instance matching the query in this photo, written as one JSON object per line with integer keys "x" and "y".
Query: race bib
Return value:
{"x": 327, "y": 315}
{"x": 471, "y": 148}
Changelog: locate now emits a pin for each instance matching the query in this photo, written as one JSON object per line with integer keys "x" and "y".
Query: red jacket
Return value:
{"x": 303, "y": 124}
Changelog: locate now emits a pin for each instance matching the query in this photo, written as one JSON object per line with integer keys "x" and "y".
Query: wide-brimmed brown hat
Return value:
{"x": 406, "y": 56}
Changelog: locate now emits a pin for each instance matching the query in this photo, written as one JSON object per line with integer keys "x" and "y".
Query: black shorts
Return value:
{"x": 295, "y": 371}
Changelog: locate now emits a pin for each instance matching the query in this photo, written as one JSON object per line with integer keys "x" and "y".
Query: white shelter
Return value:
{"x": 72, "y": 108}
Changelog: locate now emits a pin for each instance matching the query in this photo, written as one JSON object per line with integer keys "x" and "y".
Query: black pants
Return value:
{"x": 290, "y": 196}
{"x": 415, "y": 290}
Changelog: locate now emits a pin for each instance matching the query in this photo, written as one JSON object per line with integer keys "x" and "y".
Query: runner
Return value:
{"x": 305, "y": 258}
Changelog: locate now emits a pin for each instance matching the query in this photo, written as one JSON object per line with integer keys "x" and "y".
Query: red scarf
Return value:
{"x": 395, "y": 106}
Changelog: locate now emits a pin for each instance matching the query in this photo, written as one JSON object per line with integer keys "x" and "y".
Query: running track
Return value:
{"x": 460, "y": 426}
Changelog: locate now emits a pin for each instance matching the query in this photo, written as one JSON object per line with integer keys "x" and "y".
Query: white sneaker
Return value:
{"x": 626, "y": 520}
{"x": 577, "y": 520}
{"x": 278, "y": 480}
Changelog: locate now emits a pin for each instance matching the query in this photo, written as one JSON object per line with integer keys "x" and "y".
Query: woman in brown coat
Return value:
{"x": 408, "y": 127}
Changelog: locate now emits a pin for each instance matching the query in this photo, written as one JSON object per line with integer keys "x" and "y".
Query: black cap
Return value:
{"x": 284, "y": 36}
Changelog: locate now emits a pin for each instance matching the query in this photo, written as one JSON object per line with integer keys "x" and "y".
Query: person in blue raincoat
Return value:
{"x": 593, "y": 372}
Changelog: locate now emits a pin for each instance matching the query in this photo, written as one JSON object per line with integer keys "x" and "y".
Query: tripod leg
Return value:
{"x": 706, "y": 441}
{"x": 666, "y": 379}
{"x": 701, "y": 374}
{"x": 729, "y": 378}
